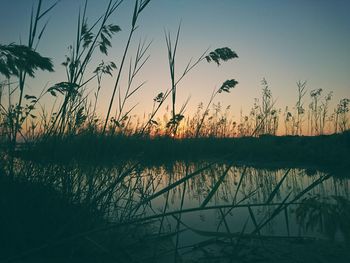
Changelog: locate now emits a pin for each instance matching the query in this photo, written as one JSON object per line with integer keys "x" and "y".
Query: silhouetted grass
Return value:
{"x": 33, "y": 215}
{"x": 90, "y": 213}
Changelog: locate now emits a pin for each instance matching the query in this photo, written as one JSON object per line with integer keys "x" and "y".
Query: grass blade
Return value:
{"x": 173, "y": 185}
{"x": 274, "y": 214}
{"x": 287, "y": 220}
{"x": 239, "y": 184}
{"x": 275, "y": 191}
{"x": 216, "y": 186}
{"x": 253, "y": 219}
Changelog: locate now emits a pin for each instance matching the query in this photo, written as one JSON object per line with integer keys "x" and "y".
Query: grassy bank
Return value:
{"x": 34, "y": 216}
{"x": 326, "y": 151}
{"x": 68, "y": 214}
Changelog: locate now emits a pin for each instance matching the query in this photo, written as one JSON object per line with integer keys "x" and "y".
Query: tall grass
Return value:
{"x": 103, "y": 205}
{"x": 75, "y": 110}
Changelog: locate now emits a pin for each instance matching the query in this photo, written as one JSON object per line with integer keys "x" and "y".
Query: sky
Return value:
{"x": 282, "y": 41}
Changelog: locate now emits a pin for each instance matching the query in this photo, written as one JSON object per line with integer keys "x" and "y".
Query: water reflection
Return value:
{"x": 198, "y": 202}
{"x": 261, "y": 202}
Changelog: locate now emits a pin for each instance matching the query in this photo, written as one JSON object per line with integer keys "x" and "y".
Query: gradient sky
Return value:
{"x": 283, "y": 41}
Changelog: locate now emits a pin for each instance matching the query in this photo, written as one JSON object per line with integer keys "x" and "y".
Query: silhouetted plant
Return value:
{"x": 134, "y": 68}
{"x": 19, "y": 61}
{"x": 324, "y": 111}
{"x": 318, "y": 111}
{"x": 77, "y": 112}
{"x": 314, "y": 107}
{"x": 88, "y": 39}
{"x": 16, "y": 59}
{"x": 139, "y": 7}
{"x": 289, "y": 121}
{"x": 102, "y": 69}
{"x": 299, "y": 106}
{"x": 267, "y": 119}
{"x": 266, "y": 106}
{"x": 173, "y": 124}
{"x": 220, "y": 54}
{"x": 341, "y": 119}
{"x": 225, "y": 87}
{"x": 157, "y": 103}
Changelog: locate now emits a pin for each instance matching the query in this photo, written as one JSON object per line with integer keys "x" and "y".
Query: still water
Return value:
{"x": 199, "y": 201}
{"x": 242, "y": 200}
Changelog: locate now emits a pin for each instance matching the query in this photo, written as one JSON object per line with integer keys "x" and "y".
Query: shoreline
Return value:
{"x": 326, "y": 152}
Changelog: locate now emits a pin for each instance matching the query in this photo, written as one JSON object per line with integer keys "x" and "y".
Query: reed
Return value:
{"x": 77, "y": 184}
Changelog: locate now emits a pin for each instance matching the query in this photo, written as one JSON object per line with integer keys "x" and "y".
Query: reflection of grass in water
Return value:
{"x": 124, "y": 194}
{"x": 328, "y": 215}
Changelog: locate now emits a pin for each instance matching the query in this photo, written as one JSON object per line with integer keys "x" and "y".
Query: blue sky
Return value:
{"x": 283, "y": 41}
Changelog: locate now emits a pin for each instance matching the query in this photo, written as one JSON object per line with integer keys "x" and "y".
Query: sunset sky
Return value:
{"x": 283, "y": 41}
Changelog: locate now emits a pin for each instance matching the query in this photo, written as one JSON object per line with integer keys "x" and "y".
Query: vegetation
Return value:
{"x": 57, "y": 208}
{"x": 74, "y": 111}
{"x": 325, "y": 152}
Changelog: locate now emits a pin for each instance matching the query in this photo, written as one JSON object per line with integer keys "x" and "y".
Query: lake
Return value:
{"x": 207, "y": 204}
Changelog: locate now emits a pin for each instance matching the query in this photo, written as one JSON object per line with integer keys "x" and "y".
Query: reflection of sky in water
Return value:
{"x": 125, "y": 188}
{"x": 260, "y": 181}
